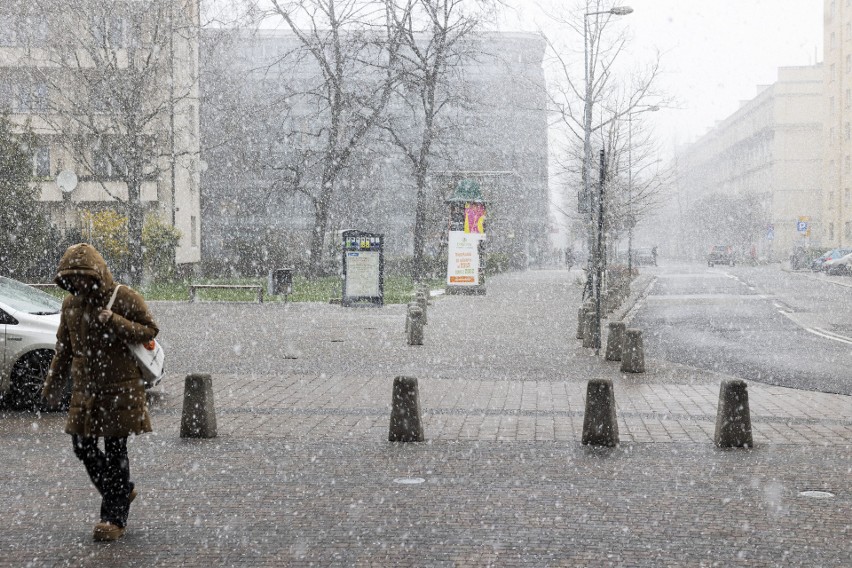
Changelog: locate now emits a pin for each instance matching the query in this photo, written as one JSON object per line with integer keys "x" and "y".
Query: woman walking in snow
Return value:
{"x": 108, "y": 393}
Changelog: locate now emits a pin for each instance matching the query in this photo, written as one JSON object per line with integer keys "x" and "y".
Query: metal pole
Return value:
{"x": 587, "y": 157}
{"x": 630, "y": 196}
{"x": 599, "y": 258}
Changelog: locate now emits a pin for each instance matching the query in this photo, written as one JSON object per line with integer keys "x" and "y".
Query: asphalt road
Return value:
{"x": 758, "y": 323}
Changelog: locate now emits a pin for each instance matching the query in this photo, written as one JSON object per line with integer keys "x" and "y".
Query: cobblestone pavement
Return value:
{"x": 301, "y": 475}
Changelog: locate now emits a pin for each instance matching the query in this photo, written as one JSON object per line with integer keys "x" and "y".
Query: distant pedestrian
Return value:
{"x": 569, "y": 258}
{"x": 107, "y": 393}
{"x": 654, "y": 254}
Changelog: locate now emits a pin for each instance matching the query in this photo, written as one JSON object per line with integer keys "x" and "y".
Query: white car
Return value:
{"x": 29, "y": 319}
{"x": 841, "y": 265}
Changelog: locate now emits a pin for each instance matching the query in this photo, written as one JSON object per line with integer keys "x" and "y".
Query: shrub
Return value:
{"x": 159, "y": 241}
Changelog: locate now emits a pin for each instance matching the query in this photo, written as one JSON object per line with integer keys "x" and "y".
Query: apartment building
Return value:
{"x": 110, "y": 89}
{"x": 837, "y": 198}
{"x": 769, "y": 152}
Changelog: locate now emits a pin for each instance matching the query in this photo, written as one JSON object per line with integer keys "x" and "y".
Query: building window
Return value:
{"x": 847, "y": 131}
{"x": 108, "y": 32}
{"x": 847, "y": 199}
{"x": 106, "y": 165}
{"x": 832, "y": 41}
{"x": 193, "y": 231}
{"x": 831, "y": 139}
{"x": 848, "y": 64}
{"x": 6, "y": 97}
{"x": 848, "y": 98}
{"x": 831, "y": 231}
{"x": 832, "y": 73}
{"x": 32, "y": 98}
{"x": 41, "y": 162}
{"x": 831, "y": 106}
{"x": 8, "y": 30}
{"x": 36, "y": 31}
{"x": 847, "y": 231}
{"x": 847, "y": 164}
{"x": 831, "y": 200}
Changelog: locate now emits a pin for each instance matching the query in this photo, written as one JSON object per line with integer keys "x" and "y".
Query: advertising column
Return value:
{"x": 466, "y": 241}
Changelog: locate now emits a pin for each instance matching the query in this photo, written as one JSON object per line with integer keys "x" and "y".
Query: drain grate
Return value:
{"x": 814, "y": 494}
{"x": 409, "y": 480}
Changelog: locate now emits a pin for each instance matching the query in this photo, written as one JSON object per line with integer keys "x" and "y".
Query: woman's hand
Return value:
{"x": 104, "y": 315}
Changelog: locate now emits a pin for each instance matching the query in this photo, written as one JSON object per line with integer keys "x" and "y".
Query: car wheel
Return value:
{"x": 28, "y": 376}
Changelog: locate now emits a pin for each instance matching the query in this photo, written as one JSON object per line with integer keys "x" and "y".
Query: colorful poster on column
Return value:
{"x": 463, "y": 259}
{"x": 474, "y": 218}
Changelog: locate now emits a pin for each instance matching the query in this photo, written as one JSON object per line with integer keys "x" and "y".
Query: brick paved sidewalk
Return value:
{"x": 501, "y": 367}
{"x": 301, "y": 473}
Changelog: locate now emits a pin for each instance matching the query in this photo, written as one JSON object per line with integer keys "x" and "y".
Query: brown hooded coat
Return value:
{"x": 107, "y": 394}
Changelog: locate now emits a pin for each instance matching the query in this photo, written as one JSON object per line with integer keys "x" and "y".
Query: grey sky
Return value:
{"x": 715, "y": 53}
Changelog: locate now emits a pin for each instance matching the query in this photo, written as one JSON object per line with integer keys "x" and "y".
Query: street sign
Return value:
{"x": 803, "y": 225}
{"x": 770, "y": 232}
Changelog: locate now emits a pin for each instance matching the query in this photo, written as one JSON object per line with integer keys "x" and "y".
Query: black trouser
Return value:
{"x": 110, "y": 473}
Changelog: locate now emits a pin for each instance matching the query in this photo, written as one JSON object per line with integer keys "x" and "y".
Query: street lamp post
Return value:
{"x": 594, "y": 263}
{"x": 630, "y": 221}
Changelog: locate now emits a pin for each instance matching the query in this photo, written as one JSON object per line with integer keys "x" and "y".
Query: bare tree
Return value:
{"x": 438, "y": 36}
{"x": 589, "y": 98}
{"x": 117, "y": 98}
{"x": 354, "y": 46}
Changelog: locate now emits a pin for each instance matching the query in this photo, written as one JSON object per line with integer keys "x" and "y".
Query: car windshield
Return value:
{"x": 23, "y": 298}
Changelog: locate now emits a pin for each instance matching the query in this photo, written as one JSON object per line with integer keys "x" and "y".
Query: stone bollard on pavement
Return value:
{"x": 426, "y": 292}
{"x": 423, "y": 302}
{"x": 600, "y": 424}
{"x": 408, "y": 317}
{"x": 733, "y": 418}
{"x": 632, "y": 352}
{"x": 406, "y": 424}
{"x": 589, "y": 328}
{"x": 581, "y": 323}
{"x": 415, "y": 326}
{"x": 615, "y": 341}
{"x": 199, "y": 417}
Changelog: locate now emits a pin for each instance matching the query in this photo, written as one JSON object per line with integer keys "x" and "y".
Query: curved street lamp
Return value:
{"x": 587, "y": 162}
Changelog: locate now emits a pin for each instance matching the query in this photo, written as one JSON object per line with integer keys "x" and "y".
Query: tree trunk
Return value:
{"x": 320, "y": 224}
{"x": 419, "y": 261}
{"x": 135, "y": 220}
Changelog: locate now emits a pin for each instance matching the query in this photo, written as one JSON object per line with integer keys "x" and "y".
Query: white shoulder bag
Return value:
{"x": 149, "y": 355}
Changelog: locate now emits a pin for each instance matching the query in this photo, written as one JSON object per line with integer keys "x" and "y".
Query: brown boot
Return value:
{"x": 107, "y": 532}
{"x": 133, "y": 495}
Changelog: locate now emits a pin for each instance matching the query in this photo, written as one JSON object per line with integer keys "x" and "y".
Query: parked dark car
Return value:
{"x": 721, "y": 254}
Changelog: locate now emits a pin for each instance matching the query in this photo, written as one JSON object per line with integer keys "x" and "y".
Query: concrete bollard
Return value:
{"x": 615, "y": 341}
{"x": 415, "y": 326}
{"x": 733, "y": 418}
{"x": 600, "y": 425}
{"x": 199, "y": 417}
{"x": 423, "y": 303}
{"x": 405, "y": 422}
{"x": 589, "y": 329}
{"x": 408, "y": 317}
{"x": 426, "y": 292}
{"x": 632, "y": 352}
{"x": 581, "y": 322}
